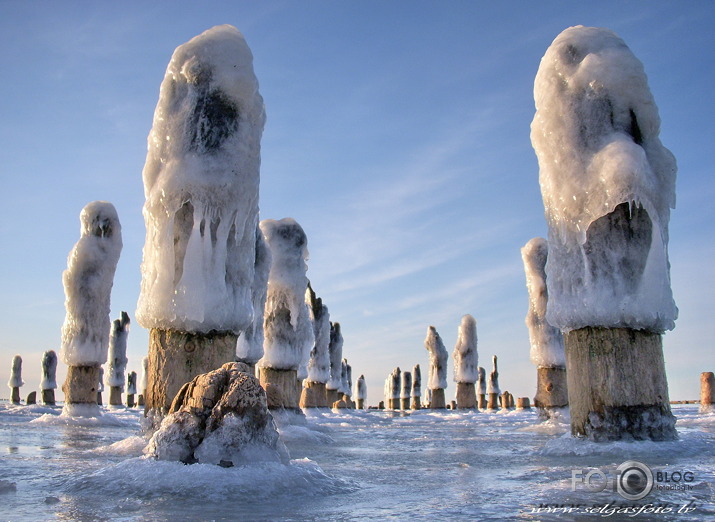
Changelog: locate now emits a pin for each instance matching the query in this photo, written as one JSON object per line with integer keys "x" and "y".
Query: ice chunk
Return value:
{"x": 16, "y": 373}
{"x": 88, "y": 284}
{"x": 437, "y": 360}
{"x": 49, "y": 371}
{"x": 319, "y": 364}
{"x": 547, "y": 342}
{"x": 466, "y": 358}
{"x": 287, "y": 327}
{"x": 118, "y": 352}
{"x": 201, "y": 181}
{"x": 249, "y": 346}
{"x": 608, "y": 185}
{"x": 335, "y": 348}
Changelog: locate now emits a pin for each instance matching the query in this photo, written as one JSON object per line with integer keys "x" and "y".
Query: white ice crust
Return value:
{"x": 437, "y": 360}
{"x": 335, "y": 348}
{"x": 16, "y": 373}
{"x": 416, "y": 382}
{"x": 319, "y": 363}
{"x": 143, "y": 379}
{"x": 287, "y": 327}
{"x": 88, "y": 284}
{"x": 249, "y": 346}
{"x": 360, "y": 388}
{"x": 117, "y": 360}
{"x": 595, "y": 134}
{"x": 201, "y": 181}
{"x": 547, "y": 342}
{"x": 49, "y": 371}
{"x": 466, "y": 357}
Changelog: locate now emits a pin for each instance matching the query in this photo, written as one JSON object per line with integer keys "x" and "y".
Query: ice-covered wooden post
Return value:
{"x": 466, "y": 361}
{"x": 393, "y": 387}
{"x": 347, "y": 385}
{"x": 707, "y": 392}
{"x": 142, "y": 382}
{"x": 15, "y": 382}
{"x": 360, "y": 392}
{"x": 48, "y": 383}
{"x": 547, "y": 342}
{"x": 481, "y": 388}
{"x": 201, "y": 181}
{"x": 314, "y": 393}
{"x": 117, "y": 359}
{"x": 608, "y": 185}
{"x": 437, "y": 368}
{"x": 493, "y": 390}
{"x": 131, "y": 388}
{"x": 88, "y": 284}
{"x": 287, "y": 327}
{"x": 416, "y": 392}
{"x": 100, "y": 386}
{"x": 406, "y": 388}
{"x": 335, "y": 349}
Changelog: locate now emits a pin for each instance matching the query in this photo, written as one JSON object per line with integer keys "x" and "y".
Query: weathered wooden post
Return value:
{"x": 287, "y": 327}
{"x": 707, "y": 392}
{"x": 466, "y": 361}
{"x": 361, "y": 392}
{"x": 608, "y": 186}
{"x": 437, "y": 368}
{"x": 481, "y": 388}
{"x": 314, "y": 393}
{"x": 405, "y": 390}
{"x": 48, "y": 384}
{"x": 335, "y": 349}
{"x": 522, "y": 403}
{"x": 15, "y": 382}
{"x": 416, "y": 392}
{"x": 117, "y": 359}
{"x": 547, "y": 342}
{"x": 493, "y": 390}
{"x": 88, "y": 284}
{"x": 201, "y": 181}
{"x": 394, "y": 381}
{"x": 131, "y": 388}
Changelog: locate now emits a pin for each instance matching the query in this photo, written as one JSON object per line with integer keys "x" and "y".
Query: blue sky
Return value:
{"x": 397, "y": 135}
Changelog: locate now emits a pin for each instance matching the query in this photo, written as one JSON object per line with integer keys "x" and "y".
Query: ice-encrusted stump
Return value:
{"x": 466, "y": 361}
{"x": 117, "y": 359}
{"x": 15, "y": 381}
{"x": 493, "y": 391}
{"x": 48, "y": 384}
{"x": 393, "y": 385}
{"x": 201, "y": 181}
{"x": 481, "y": 388}
{"x": 288, "y": 330}
{"x": 437, "y": 381}
{"x": 707, "y": 392}
{"x": 335, "y": 349}
{"x": 416, "y": 392}
{"x": 608, "y": 185}
{"x": 547, "y": 343}
{"x": 131, "y": 388}
{"x": 314, "y": 393}
{"x": 360, "y": 392}
{"x": 220, "y": 417}
{"x": 88, "y": 283}
{"x": 405, "y": 391}
{"x": 347, "y": 384}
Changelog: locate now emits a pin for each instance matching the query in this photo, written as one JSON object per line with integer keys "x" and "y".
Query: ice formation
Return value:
{"x": 201, "y": 181}
{"x": 361, "y": 388}
{"x": 345, "y": 378}
{"x": 493, "y": 382}
{"x": 466, "y": 358}
{"x": 287, "y": 327}
{"x": 437, "y": 360}
{"x": 481, "y": 381}
{"x": 143, "y": 378}
{"x": 416, "y": 382}
{"x": 16, "y": 373}
{"x": 319, "y": 363}
{"x": 249, "y": 347}
{"x": 132, "y": 383}
{"x": 335, "y": 349}
{"x": 406, "y": 385}
{"x": 88, "y": 284}
{"x": 608, "y": 185}
{"x": 49, "y": 371}
{"x": 118, "y": 352}
{"x": 547, "y": 342}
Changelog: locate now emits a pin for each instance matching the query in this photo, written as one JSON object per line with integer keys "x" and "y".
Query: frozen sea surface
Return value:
{"x": 351, "y": 465}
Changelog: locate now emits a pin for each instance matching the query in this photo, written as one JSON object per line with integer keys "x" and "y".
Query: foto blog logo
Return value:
{"x": 632, "y": 480}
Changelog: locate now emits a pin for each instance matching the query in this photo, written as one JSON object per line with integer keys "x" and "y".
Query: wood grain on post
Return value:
{"x": 80, "y": 386}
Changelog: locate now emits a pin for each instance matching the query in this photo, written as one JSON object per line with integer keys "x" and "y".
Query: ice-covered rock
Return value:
{"x": 201, "y": 181}
{"x": 608, "y": 185}
{"x": 220, "y": 417}
{"x": 88, "y": 284}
